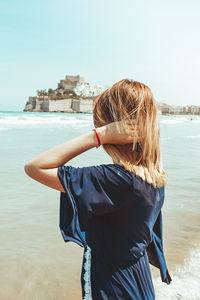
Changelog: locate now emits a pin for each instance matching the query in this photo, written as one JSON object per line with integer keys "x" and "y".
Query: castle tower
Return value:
{"x": 71, "y": 82}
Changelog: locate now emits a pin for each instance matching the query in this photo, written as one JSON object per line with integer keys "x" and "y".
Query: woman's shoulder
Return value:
{"x": 111, "y": 168}
{"x": 114, "y": 170}
{"x": 136, "y": 181}
{"x": 104, "y": 173}
{"x": 111, "y": 173}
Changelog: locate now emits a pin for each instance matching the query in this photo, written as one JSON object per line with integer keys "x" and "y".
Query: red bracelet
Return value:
{"x": 98, "y": 139}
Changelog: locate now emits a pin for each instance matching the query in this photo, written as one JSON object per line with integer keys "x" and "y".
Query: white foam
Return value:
{"x": 35, "y": 120}
{"x": 185, "y": 281}
{"x": 178, "y": 120}
{"x": 173, "y": 121}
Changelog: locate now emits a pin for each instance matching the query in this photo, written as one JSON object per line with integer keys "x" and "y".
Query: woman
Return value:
{"x": 113, "y": 210}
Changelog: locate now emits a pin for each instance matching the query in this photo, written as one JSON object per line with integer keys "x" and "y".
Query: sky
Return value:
{"x": 154, "y": 42}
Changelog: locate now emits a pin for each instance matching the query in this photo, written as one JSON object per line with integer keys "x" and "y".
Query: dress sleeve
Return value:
{"x": 89, "y": 191}
{"x": 155, "y": 250}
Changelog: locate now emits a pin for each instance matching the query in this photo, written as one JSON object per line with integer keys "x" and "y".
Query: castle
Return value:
{"x": 73, "y": 94}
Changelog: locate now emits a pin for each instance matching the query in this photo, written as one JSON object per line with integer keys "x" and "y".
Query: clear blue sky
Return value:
{"x": 155, "y": 42}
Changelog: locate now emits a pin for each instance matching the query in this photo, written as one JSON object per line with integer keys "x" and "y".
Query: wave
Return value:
{"x": 15, "y": 120}
{"x": 185, "y": 281}
{"x": 173, "y": 121}
{"x": 179, "y": 120}
{"x": 43, "y": 120}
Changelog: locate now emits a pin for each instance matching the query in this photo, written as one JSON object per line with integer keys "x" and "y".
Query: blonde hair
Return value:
{"x": 132, "y": 100}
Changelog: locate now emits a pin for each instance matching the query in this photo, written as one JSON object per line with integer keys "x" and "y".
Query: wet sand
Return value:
{"x": 49, "y": 275}
{"x": 56, "y": 274}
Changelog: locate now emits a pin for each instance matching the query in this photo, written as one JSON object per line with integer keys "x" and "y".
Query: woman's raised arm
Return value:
{"x": 43, "y": 167}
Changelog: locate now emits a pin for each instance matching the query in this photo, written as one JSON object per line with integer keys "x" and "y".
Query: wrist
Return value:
{"x": 102, "y": 135}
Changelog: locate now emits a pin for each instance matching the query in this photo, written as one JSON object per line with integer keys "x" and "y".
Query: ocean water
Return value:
{"x": 35, "y": 261}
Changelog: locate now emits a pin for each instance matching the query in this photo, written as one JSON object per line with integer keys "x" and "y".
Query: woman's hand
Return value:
{"x": 118, "y": 133}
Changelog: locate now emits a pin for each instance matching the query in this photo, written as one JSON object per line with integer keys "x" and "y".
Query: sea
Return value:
{"x": 35, "y": 262}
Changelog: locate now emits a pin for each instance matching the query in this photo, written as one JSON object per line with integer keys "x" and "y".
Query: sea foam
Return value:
{"x": 185, "y": 281}
{"x": 173, "y": 121}
{"x": 32, "y": 120}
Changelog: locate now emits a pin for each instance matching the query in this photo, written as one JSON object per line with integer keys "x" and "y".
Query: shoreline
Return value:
{"x": 90, "y": 112}
{"x": 36, "y": 278}
{"x": 84, "y": 112}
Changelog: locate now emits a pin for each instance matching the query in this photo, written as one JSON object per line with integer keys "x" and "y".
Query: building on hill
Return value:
{"x": 70, "y": 82}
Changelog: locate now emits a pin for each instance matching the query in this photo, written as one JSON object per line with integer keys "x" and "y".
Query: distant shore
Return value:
{"x": 90, "y": 112}
{"x": 178, "y": 115}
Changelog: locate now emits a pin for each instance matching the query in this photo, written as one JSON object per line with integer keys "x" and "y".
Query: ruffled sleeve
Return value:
{"x": 89, "y": 191}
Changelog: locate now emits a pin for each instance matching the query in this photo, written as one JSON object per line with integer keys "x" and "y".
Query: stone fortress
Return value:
{"x": 73, "y": 94}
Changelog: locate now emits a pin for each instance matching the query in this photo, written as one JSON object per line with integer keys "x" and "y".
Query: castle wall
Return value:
{"x": 63, "y": 105}
{"x": 76, "y": 105}
{"x": 38, "y": 105}
{"x": 31, "y": 99}
{"x": 84, "y": 106}
{"x": 45, "y": 106}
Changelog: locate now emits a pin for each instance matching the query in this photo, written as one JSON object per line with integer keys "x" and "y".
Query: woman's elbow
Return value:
{"x": 29, "y": 169}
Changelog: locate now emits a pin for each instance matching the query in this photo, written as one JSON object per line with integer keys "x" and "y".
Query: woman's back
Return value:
{"x": 113, "y": 213}
{"x": 125, "y": 229}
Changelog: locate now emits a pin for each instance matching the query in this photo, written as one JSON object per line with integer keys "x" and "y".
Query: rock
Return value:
{"x": 73, "y": 88}
{"x": 28, "y": 107}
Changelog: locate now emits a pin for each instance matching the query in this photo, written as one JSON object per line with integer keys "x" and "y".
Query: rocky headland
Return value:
{"x": 73, "y": 94}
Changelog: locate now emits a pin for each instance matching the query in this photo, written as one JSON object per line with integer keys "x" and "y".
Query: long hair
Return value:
{"x": 133, "y": 101}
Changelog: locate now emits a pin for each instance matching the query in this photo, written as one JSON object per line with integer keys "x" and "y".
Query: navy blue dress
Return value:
{"x": 116, "y": 217}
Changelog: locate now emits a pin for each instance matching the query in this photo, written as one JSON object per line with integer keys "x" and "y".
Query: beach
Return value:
{"x": 35, "y": 261}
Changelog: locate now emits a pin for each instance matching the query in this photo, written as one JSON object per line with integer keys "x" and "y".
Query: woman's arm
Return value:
{"x": 43, "y": 167}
